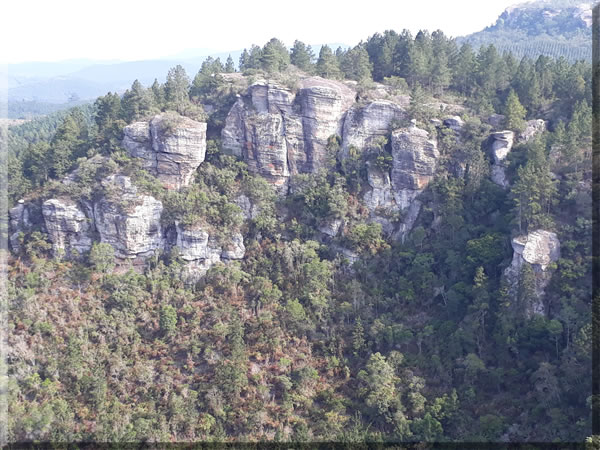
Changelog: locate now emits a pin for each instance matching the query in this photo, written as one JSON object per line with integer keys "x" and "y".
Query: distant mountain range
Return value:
{"x": 544, "y": 27}
{"x": 40, "y": 86}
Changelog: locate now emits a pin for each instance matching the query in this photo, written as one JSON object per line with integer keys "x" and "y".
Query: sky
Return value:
{"x": 129, "y": 30}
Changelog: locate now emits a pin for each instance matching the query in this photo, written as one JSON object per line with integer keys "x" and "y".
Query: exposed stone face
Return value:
{"x": 202, "y": 250}
{"x": 331, "y": 227}
{"x": 454, "y": 123}
{"x": 413, "y": 164}
{"x": 127, "y": 220}
{"x": 363, "y": 126}
{"x": 501, "y": 145}
{"x": 249, "y": 209}
{"x": 171, "y": 146}
{"x": 67, "y": 226}
{"x": 19, "y": 221}
{"x": 537, "y": 249}
{"x": 281, "y": 133}
{"x": 533, "y": 128}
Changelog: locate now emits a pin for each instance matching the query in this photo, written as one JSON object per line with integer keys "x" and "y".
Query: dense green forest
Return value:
{"x": 417, "y": 340}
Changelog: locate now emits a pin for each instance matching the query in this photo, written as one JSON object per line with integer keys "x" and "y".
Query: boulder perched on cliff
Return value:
{"x": 127, "y": 219}
{"x": 279, "y": 132}
{"x": 538, "y": 249}
{"x": 501, "y": 145}
{"x": 68, "y": 227}
{"x": 171, "y": 146}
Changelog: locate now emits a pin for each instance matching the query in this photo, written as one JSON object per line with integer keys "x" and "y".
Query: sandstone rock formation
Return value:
{"x": 538, "y": 249}
{"x": 202, "y": 250}
{"x": 279, "y": 133}
{"x": 363, "y": 125}
{"x": 454, "y": 123}
{"x": 128, "y": 220}
{"x": 502, "y": 143}
{"x": 67, "y": 226}
{"x": 19, "y": 222}
{"x": 171, "y": 146}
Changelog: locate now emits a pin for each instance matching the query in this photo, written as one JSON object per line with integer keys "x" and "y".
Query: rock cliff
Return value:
{"x": 538, "y": 249}
{"x": 279, "y": 132}
{"x": 171, "y": 146}
{"x": 501, "y": 145}
{"x": 67, "y": 226}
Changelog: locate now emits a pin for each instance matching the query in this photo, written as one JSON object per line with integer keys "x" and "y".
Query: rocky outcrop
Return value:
{"x": 278, "y": 132}
{"x": 202, "y": 250}
{"x": 19, "y": 222}
{"x": 171, "y": 147}
{"x": 414, "y": 158}
{"x": 501, "y": 145}
{"x": 454, "y": 123}
{"x": 538, "y": 249}
{"x": 392, "y": 195}
{"x": 363, "y": 125}
{"x": 67, "y": 226}
{"x": 533, "y": 128}
{"x": 127, "y": 219}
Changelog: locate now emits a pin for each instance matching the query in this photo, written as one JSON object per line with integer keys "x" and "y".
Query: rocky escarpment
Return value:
{"x": 201, "y": 249}
{"x": 127, "y": 219}
{"x": 393, "y": 192}
{"x": 68, "y": 227}
{"x": 279, "y": 132}
{"x": 364, "y": 124}
{"x": 502, "y": 143}
{"x": 171, "y": 147}
{"x": 538, "y": 250}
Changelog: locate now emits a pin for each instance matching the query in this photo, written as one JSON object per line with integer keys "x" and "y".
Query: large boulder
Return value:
{"x": 127, "y": 219}
{"x": 68, "y": 227}
{"x": 538, "y": 249}
{"x": 171, "y": 146}
{"x": 501, "y": 145}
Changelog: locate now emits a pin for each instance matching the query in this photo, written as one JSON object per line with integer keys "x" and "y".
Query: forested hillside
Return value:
{"x": 384, "y": 243}
{"x": 542, "y": 27}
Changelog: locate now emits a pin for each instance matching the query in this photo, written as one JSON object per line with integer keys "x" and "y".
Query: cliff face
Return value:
{"x": 279, "y": 132}
{"x": 538, "y": 250}
{"x": 171, "y": 147}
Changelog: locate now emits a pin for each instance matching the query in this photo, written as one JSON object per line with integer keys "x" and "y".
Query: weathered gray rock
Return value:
{"x": 202, "y": 250}
{"x": 454, "y": 123}
{"x": 331, "y": 227}
{"x": 363, "y": 125}
{"x": 533, "y": 128}
{"x": 128, "y": 220}
{"x": 67, "y": 226}
{"x": 171, "y": 146}
{"x": 281, "y": 133}
{"x": 249, "y": 209}
{"x": 413, "y": 164}
{"x": 538, "y": 249}
{"x": 19, "y": 222}
{"x": 501, "y": 145}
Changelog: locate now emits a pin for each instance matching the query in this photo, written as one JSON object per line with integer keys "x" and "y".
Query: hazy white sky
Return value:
{"x": 50, "y": 30}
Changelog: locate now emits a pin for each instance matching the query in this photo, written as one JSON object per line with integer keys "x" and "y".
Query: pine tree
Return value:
{"x": 355, "y": 64}
{"x": 302, "y": 57}
{"x": 136, "y": 103}
{"x": 229, "y": 65}
{"x": 514, "y": 112}
{"x": 244, "y": 60}
{"x": 275, "y": 56}
{"x": 327, "y": 64}
{"x": 177, "y": 88}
